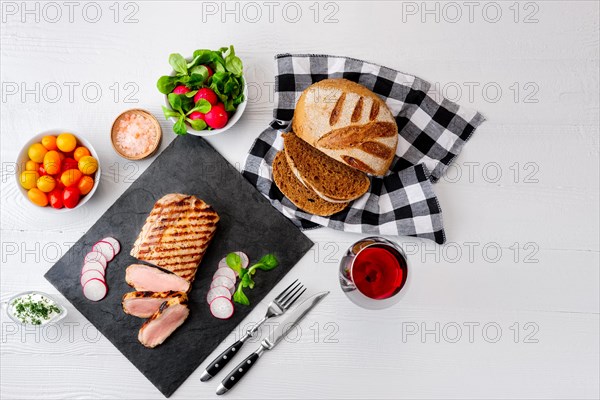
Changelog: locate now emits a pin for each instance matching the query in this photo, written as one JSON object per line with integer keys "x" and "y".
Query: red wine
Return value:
{"x": 379, "y": 272}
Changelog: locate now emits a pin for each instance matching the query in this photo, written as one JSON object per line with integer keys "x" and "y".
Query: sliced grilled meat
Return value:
{"x": 145, "y": 304}
{"x": 171, "y": 314}
{"x": 176, "y": 234}
{"x": 145, "y": 278}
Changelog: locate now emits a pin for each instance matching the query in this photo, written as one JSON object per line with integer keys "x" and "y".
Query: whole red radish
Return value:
{"x": 71, "y": 197}
{"x": 181, "y": 89}
{"x": 196, "y": 115}
{"x": 210, "y": 71}
{"x": 208, "y": 95}
{"x": 217, "y": 117}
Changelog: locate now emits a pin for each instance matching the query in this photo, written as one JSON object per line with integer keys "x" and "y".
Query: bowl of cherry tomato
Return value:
{"x": 58, "y": 170}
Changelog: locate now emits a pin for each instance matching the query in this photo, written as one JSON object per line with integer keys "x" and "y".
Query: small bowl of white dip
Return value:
{"x": 34, "y": 308}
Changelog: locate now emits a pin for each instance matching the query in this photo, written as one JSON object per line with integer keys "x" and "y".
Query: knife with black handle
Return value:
{"x": 287, "y": 322}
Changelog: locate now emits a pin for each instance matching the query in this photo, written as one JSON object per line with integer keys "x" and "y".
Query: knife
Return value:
{"x": 287, "y": 322}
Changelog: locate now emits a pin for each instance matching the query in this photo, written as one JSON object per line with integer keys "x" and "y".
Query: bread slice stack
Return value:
{"x": 342, "y": 132}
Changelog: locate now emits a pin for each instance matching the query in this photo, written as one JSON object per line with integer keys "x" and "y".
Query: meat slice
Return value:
{"x": 145, "y": 304}
{"x": 176, "y": 234}
{"x": 150, "y": 279}
{"x": 171, "y": 314}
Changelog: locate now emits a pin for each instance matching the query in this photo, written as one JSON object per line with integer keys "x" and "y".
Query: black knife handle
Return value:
{"x": 238, "y": 373}
{"x": 223, "y": 359}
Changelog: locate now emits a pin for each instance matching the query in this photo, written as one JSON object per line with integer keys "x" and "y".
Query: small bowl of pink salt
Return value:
{"x": 136, "y": 134}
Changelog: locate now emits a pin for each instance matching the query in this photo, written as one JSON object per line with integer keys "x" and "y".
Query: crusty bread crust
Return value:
{"x": 349, "y": 123}
{"x": 302, "y": 196}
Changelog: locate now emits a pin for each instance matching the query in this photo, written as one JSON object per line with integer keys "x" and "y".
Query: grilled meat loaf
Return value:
{"x": 176, "y": 234}
{"x": 145, "y": 304}
{"x": 170, "y": 315}
{"x": 145, "y": 278}
{"x": 347, "y": 122}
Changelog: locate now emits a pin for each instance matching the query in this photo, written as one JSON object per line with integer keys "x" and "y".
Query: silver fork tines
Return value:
{"x": 283, "y": 299}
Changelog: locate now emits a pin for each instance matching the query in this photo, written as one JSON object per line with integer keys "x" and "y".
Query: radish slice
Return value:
{"x": 92, "y": 265}
{"x": 91, "y": 274}
{"x": 95, "y": 256}
{"x": 245, "y": 259}
{"x": 223, "y": 265}
{"x": 217, "y": 291}
{"x": 106, "y": 249}
{"x": 95, "y": 289}
{"x": 114, "y": 243}
{"x": 221, "y": 307}
{"x": 223, "y": 281}
{"x": 228, "y": 272}
{"x": 243, "y": 256}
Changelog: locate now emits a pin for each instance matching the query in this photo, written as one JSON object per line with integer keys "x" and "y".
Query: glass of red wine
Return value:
{"x": 374, "y": 273}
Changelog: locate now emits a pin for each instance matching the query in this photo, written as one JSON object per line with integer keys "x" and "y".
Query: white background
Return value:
{"x": 542, "y": 212}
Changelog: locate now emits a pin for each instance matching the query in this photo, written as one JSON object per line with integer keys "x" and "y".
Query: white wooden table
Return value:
{"x": 508, "y": 308}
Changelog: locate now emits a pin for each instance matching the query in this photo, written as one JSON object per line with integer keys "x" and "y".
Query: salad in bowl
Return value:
{"x": 206, "y": 93}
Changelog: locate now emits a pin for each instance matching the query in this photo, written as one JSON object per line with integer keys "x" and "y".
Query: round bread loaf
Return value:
{"x": 349, "y": 123}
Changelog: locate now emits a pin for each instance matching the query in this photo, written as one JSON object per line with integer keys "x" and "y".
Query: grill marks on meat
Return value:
{"x": 170, "y": 315}
{"x": 176, "y": 234}
{"x": 145, "y": 304}
{"x": 174, "y": 237}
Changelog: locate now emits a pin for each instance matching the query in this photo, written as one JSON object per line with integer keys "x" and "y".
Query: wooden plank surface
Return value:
{"x": 523, "y": 252}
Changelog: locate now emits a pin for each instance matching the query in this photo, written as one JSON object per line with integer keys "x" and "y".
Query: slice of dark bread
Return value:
{"x": 303, "y": 197}
{"x": 330, "y": 179}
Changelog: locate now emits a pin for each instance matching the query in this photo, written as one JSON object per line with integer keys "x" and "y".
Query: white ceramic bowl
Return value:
{"x": 231, "y": 122}
{"x": 23, "y": 158}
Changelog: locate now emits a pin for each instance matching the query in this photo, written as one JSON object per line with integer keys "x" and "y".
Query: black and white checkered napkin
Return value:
{"x": 432, "y": 132}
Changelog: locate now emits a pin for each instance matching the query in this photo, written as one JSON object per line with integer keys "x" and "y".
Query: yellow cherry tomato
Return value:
{"x": 37, "y": 197}
{"x": 49, "y": 142}
{"x": 66, "y": 142}
{"x": 85, "y": 185}
{"x": 29, "y": 179}
{"x": 71, "y": 177}
{"x": 80, "y": 152}
{"x": 31, "y": 166}
{"x": 37, "y": 152}
{"x": 88, "y": 165}
{"x": 46, "y": 183}
{"x": 52, "y": 162}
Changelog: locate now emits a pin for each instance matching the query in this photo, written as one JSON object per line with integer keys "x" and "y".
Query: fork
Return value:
{"x": 277, "y": 307}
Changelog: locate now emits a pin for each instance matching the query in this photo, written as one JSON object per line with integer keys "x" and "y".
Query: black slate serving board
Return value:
{"x": 248, "y": 223}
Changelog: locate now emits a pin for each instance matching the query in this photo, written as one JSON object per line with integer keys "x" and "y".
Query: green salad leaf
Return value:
{"x": 234, "y": 261}
{"x": 178, "y": 64}
{"x": 179, "y": 127}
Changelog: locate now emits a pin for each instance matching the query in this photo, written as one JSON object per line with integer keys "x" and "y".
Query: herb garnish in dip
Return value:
{"x": 34, "y": 309}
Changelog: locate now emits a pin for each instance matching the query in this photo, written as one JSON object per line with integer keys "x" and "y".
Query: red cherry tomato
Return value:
{"x": 69, "y": 163}
{"x": 71, "y": 197}
{"x": 206, "y": 94}
{"x": 217, "y": 117}
{"x": 41, "y": 170}
{"x": 56, "y": 198}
